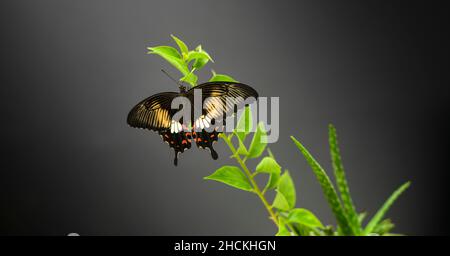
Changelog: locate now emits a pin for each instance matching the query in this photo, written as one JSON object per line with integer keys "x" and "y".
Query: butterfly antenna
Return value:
{"x": 171, "y": 78}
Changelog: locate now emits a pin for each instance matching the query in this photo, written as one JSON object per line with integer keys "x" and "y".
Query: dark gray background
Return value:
{"x": 71, "y": 71}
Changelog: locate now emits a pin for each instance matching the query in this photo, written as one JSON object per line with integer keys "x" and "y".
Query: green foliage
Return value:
{"x": 172, "y": 56}
{"x": 286, "y": 196}
{"x": 328, "y": 189}
{"x": 384, "y": 227}
{"x": 361, "y": 217}
{"x": 341, "y": 181}
{"x": 187, "y": 61}
{"x": 269, "y": 165}
{"x": 242, "y": 149}
{"x": 382, "y": 211}
{"x": 220, "y": 77}
{"x": 300, "y": 221}
{"x": 244, "y": 125}
{"x": 258, "y": 142}
{"x": 198, "y": 55}
{"x": 183, "y": 47}
{"x": 190, "y": 78}
{"x": 282, "y": 230}
{"x": 232, "y": 176}
{"x": 349, "y": 221}
{"x": 304, "y": 217}
{"x": 283, "y": 212}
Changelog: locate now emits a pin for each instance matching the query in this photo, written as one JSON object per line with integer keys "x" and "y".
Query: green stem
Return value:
{"x": 284, "y": 216}
{"x": 250, "y": 177}
{"x": 292, "y": 228}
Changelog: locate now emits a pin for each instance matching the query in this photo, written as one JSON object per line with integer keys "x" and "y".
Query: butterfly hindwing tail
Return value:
{"x": 178, "y": 141}
{"x": 205, "y": 139}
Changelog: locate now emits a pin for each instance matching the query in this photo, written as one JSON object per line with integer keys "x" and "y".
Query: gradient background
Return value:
{"x": 71, "y": 71}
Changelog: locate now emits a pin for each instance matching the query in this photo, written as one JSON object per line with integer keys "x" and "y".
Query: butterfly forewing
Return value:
{"x": 218, "y": 94}
{"x": 153, "y": 113}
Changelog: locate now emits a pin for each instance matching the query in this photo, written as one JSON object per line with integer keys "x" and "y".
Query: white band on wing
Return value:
{"x": 176, "y": 127}
{"x": 203, "y": 122}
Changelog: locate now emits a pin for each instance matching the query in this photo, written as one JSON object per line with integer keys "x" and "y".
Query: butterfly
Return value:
{"x": 156, "y": 113}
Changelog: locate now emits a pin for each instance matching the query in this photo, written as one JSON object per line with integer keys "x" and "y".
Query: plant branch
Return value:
{"x": 292, "y": 228}
{"x": 250, "y": 177}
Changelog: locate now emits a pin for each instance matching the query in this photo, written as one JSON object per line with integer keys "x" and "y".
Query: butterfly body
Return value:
{"x": 156, "y": 113}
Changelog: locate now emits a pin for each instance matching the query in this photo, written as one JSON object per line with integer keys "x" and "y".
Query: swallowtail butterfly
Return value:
{"x": 155, "y": 113}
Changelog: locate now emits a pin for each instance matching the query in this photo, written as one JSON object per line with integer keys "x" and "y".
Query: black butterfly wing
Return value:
{"x": 153, "y": 113}
{"x": 219, "y": 93}
{"x": 205, "y": 139}
{"x": 179, "y": 141}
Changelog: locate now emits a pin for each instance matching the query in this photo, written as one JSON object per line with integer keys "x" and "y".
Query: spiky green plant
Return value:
{"x": 349, "y": 221}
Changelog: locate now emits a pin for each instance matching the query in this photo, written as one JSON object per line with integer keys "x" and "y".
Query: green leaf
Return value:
{"x": 167, "y": 50}
{"x": 382, "y": 211}
{"x": 341, "y": 180}
{"x": 282, "y": 230}
{"x": 192, "y": 55}
{"x": 270, "y": 166}
{"x": 172, "y": 56}
{"x": 190, "y": 78}
{"x": 221, "y": 78}
{"x": 242, "y": 150}
{"x": 232, "y": 176}
{"x": 328, "y": 231}
{"x": 201, "y": 58}
{"x": 244, "y": 125}
{"x": 199, "y": 49}
{"x": 183, "y": 47}
{"x": 273, "y": 179}
{"x": 281, "y": 202}
{"x": 361, "y": 217}
{"x": 327, "y": 188}
{"x": 302, "y": 230}
{"x": 304, "y": 217}
{"x": 199, "y": 63}
{"x": 258, "y": 145}
{"x": 383, "y": 227}
{"x": 286, "y": 197}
